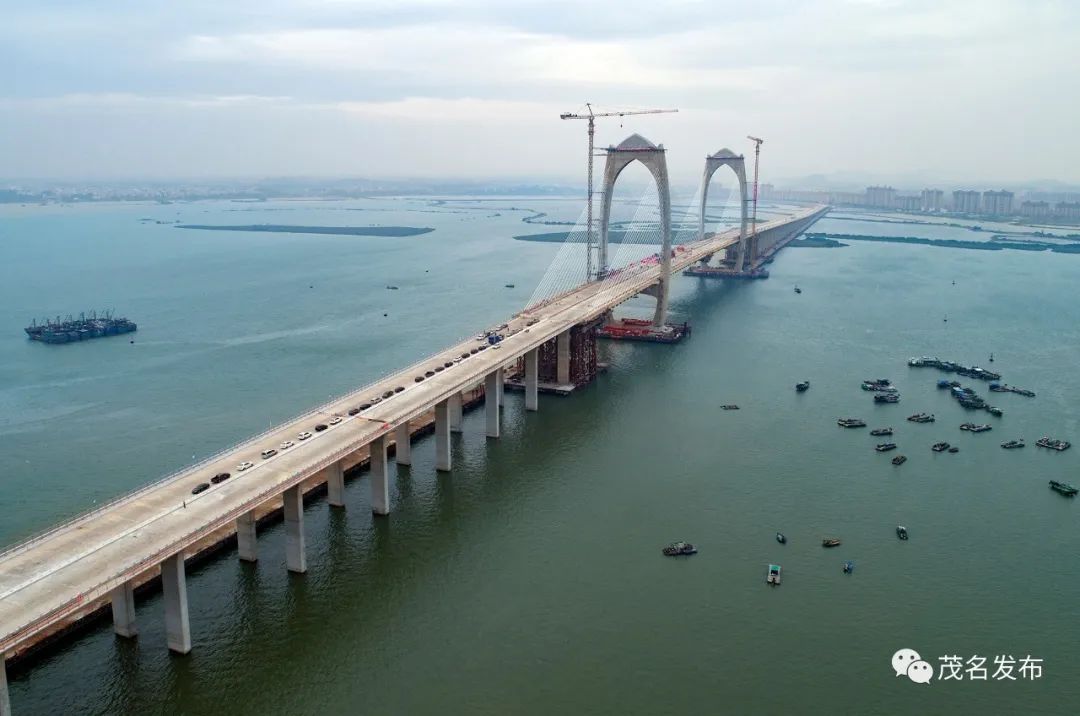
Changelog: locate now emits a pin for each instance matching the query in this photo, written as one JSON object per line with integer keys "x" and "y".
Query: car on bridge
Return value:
{"x": 320, "y": 427}
{"x": 335, "y": 420}
{"x": 244, "y": 466}
{"x": 220, "y": 477}
{"x": 267, "y": 454}
{"x": 286, "y": 445}
{"x": 303, "y": 436}
{"x": 201, "y": 487}
{"x": 354, "y": 411}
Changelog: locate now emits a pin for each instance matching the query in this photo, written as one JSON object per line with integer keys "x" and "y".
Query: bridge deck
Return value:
{"x": 49, "y": 577}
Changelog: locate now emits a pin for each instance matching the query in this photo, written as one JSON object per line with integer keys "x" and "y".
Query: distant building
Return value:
{"x": 1067, "y": 210}
{"x": 965, "y": 202}
{"x": 848, "y": 198}
{"x": 932, "y": 200}
{"x": 997, "y": 203}
{"x": 908, "y": 203}
{"x": 1035, "y": 209}
{"x": 882, "y": 197}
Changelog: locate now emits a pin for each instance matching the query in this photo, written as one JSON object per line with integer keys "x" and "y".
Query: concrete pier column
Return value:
{"x": 532, "y": 364}
{"x": 501, "y": 385}
{"x": 123, "y": 610}
{"x": 402, "y": 446}
{"x": 562, "y": 360}
{"x": 174, "y": 588}
{"x": 442, "y": 436}
{"x": 335, "y": 484}
{"x": 5, "y": 702}
{"x": 295, "y": 552}
{"x": 380, "y": 477}
{"x": 491, "y": 402}
{"x": 456, "y": 415}
{"x": 245, "y": 537}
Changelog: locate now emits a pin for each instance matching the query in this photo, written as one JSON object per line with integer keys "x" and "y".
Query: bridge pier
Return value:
{"x": 174, "y": 588}
{"x": 380, "y": 477}
{"x": 456, "y": 413}
{"x": 402, "y": 444}
{"x": 500, "y": 385}
{"x": 245, "y": 537}
{"x": 532, "y": 365}
{"x": 123, "y": 610}
{"x": 562, "y": 359}
{"x": 5, "y": 701}
{"x": 295, "y": 549}
{"x": 491, "y": 402}
{"x": 335, "y": 484}
{"x": 442, "y": 436}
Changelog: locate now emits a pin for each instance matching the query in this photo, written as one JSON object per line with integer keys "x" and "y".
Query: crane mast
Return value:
{"x": 591, "y": 117}
{"x": 757, "y": 154}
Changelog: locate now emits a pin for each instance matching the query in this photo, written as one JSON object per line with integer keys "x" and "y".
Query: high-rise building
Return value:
{"x": 1035, "y": 209}
{"x": 882, "y": 197}
{"x": 932, "y": 200}
{"x": 965, "y": 202}
{"x": 908, "y": 203}
{"x": 997, "y": 203}
{"x": 1067, "y": 210}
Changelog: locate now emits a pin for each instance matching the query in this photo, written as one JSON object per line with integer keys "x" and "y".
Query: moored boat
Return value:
{"x": 850, "y": 423}
{"x": 939, "y": 447}
{"x": 878, "y": 432}
{"x": 830, "y": 542}
{"x": 803, "y": 386}
{"x": 1053, "y": 443}
{"x": 1013, "y": 444}
{"x": 679, "y": 549}
{"x": 729, "y": 407}
{"x": 921, "y": 418}
{"x": 899, "y": 460}
{"x": 887, "y": 398}
{"x": 885, "y": 447}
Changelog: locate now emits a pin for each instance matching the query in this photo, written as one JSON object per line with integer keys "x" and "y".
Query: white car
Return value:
{"x": 285, "y": 445}
{"x": 303, "y": 436}
{"x": 244, "y": 466}
{"x": 496, "y": 346}
{"x": 267, "y": 454}
{"x": 335, "y": 420}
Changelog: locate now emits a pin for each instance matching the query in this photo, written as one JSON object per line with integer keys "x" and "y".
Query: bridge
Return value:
{"x": 51, "y": 578}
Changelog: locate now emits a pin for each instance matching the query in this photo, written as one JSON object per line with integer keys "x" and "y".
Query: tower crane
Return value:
{"x": 591, "y": 116}
{"x": 757, "y": 153}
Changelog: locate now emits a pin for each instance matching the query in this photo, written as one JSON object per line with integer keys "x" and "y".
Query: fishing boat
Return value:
{"x": 774, "y": 574}
{"x": 885, "y": 447}
{"x": 940, "y": 447}
{"x": 1053, "y": 443}
{"x": 679, "y": 549}
{"x": 920, "y": 418}
{"x": 729, "y": 407}
{"x": 878, "y": 432}
{"x": 803, "y": 386}
{"x": 887, "y": 398}
{"x": 849, "y": 567}
{"x": 798, "y": 290}
{"x": 781, "y": 538}
{"x": 899, "y": 460}
{"x": 1013, "y": 444}
{"x": 830, "y": 542}
{"x": 1064, "y": 488}
{"x": 901, "y": 532}
{"x": 953, "y": 449}
{"x": 850, "y": 423}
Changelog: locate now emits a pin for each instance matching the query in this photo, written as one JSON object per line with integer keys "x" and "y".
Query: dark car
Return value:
{"x": 399, "y": 389}
{"x": 354, "y": 411}
{"x": 439, "y": 369}
{"x": 448, "y": 364}
{"x": 365, "y": 406}
{"x": 419, "y": 379}
{"x": 388, "y": 394}
{"x": 201, "y": 487}
{"x": 220, "y": 477}
{"x": 429, "y": 373}
{"x": 320, "y": 427}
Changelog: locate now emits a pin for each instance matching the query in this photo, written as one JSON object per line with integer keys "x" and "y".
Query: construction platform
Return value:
{"x": 638, "y": 329}
{"x": 724, "y": 272}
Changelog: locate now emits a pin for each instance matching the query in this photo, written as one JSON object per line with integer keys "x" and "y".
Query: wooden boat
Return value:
{"x": 1064, "y": 488}
{"x": 899, "y": 460}
{"x": 830, "y": 542}
{"x": 679, "y": 549}
{"x": 781, "y": 538}
{"x": 774, "y": 574}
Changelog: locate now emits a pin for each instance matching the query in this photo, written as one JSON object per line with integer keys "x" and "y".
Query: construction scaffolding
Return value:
{"x": 582, "y": 361}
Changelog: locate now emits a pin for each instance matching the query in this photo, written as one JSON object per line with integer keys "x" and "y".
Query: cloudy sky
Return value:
{"x": 473, "y": 88}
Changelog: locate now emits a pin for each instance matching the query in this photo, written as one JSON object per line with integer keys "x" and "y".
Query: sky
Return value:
{"x": 911, "y": 92}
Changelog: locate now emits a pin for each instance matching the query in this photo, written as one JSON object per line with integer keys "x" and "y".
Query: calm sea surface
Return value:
{"x": 529, "y": 581}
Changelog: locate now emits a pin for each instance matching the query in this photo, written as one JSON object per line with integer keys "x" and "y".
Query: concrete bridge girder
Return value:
{"x": 637, "y": 148}
{"x": 726, "y": 157}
